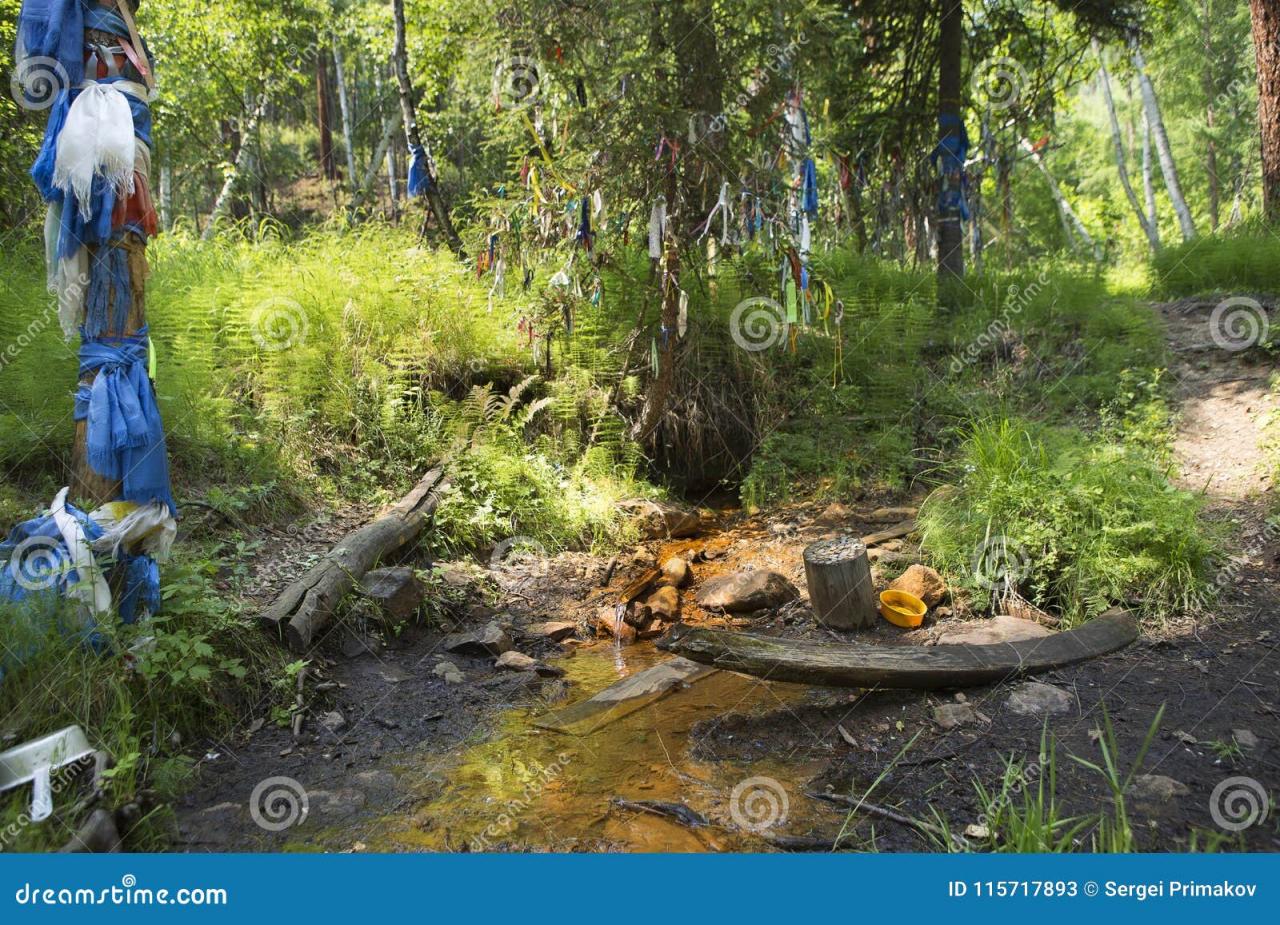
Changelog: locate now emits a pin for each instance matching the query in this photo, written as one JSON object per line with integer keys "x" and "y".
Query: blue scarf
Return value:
{"x": 419, "y": 178}
{"x": 810, "y": 187}
{"x": 124, "y": 438}
{"x": 54, "y": 29}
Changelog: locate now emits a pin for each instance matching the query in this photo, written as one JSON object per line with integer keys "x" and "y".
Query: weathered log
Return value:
{"x": 841, "y": 664}
{"x": 890, "y": 533}
{"x": 839, "y": 578}
{"x": 307, "y": 605}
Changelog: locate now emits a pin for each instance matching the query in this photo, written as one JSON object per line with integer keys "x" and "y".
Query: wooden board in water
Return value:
{"x": 625, "y": 697}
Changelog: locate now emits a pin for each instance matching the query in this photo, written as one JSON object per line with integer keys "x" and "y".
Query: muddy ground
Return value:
{"x": 396, "y": 755}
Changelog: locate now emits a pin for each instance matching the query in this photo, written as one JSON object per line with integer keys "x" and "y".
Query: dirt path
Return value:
{"x": 419, "y": 762}
{"x": 1225, "y": 404}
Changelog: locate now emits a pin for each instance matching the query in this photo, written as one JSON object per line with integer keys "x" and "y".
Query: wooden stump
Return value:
{"x": 839, "y": 577}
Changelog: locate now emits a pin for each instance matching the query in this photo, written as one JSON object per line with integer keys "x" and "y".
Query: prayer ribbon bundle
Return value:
{"x": 93, "y": 171}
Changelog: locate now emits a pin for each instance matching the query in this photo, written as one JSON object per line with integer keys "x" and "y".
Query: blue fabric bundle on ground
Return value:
{"x": 36, "y": 568}
{"x": 125, "y": 437}
{"x": 140, "y": 596}
{"x": 35, "y": 558}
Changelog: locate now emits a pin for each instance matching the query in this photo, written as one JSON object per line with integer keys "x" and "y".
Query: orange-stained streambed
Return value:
{"x": 525, "y": 788}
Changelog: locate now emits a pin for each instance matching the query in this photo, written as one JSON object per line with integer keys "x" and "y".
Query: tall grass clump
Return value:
{"x": 1247, "y": 259}
{"x": 1078, "y": 523}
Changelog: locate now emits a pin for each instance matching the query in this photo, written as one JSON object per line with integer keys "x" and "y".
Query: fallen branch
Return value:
{"x": 306, "y": 606}
{"x": 846, "y": 664}
{"x": 677, "y": 811}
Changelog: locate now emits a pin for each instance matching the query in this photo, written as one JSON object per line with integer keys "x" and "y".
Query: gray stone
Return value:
{"x": 1156, "y": 788}
{"x": 515, "y": 661}
{"x": 1031, "y": 698}
{"x": 490, "y": 640}
{"x": 742, "y": 592}
{"x": 658, "y": 520}
{"x": 98, "y": 835}
{"x": 555, "y": 631}
{"x": 950, "y": 715}
{"x": 396, "y": 592}
{"x": 1001, "y": 628}
{"x": 449, "y": 671}
{"x": 332, "y": 721}
{"x": 333, "y": 805}
{"x": 1245, "y": 738}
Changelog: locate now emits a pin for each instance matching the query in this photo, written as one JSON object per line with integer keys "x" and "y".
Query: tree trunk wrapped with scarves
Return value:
{"x": 84, "y": 62}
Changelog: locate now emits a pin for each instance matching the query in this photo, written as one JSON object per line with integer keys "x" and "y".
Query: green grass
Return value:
{"x": 1074, "y": 524}
{"x": 154, "y": 689}
{"x": 1246, "y": 260}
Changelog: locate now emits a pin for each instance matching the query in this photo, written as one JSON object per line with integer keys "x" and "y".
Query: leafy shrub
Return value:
{"x": 1084, "y": 523}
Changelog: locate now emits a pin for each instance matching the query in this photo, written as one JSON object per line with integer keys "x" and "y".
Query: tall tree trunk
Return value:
{"x": 1004, "y": 180}
{"x": 345, "y": 104}
{"x": 166, "y": 197}
{"x": 400, "y": 59}
{"x": 1265, "y": 18}
{"x": 1118, "y": 143}
{"x": 1148, "y": 183}
{"x": 950, "y": 125}
{"x": 1209, "y": 87}
{"x": 1167, "y": 167}
{"x": 1069, "y": 217}
{"x": 221, "y": 204}
{"x": 323, "y": 119}
{"x": 362, "y": 191}
{"x": 393, "y": 180}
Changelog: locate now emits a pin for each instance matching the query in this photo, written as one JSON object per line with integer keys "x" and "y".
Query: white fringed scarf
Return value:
{"x": 68, "y": 278}
{"x": 97, "y": 140}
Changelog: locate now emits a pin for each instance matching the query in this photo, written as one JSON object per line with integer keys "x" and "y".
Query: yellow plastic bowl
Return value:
{"x": 902, "y": 609}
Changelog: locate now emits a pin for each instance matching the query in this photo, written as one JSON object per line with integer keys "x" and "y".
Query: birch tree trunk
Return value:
{"x": 1069, "y": 217}
{"x": 221, "y": 204}
{"x": 1167, "y": 167}
{"x": 1264, "y": 17}
{"x": 345, "y": 104}
{"x": 1148, "y": 184}
{"x": 166, "y": 197}
{"x": 361, "y": 192}
{"x": 1118, "y": 143}
{"x": 400, "y": 59}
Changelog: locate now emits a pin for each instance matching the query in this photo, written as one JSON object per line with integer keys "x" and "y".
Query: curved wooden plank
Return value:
{"x": 836, "y": 664}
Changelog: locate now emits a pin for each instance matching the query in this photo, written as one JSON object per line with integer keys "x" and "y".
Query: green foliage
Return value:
{"x": 142, "y": 693}
{"x": 1050, "y": 344}
{"x": 1080, "y": 524}
{"x": 1247, "y": 260}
